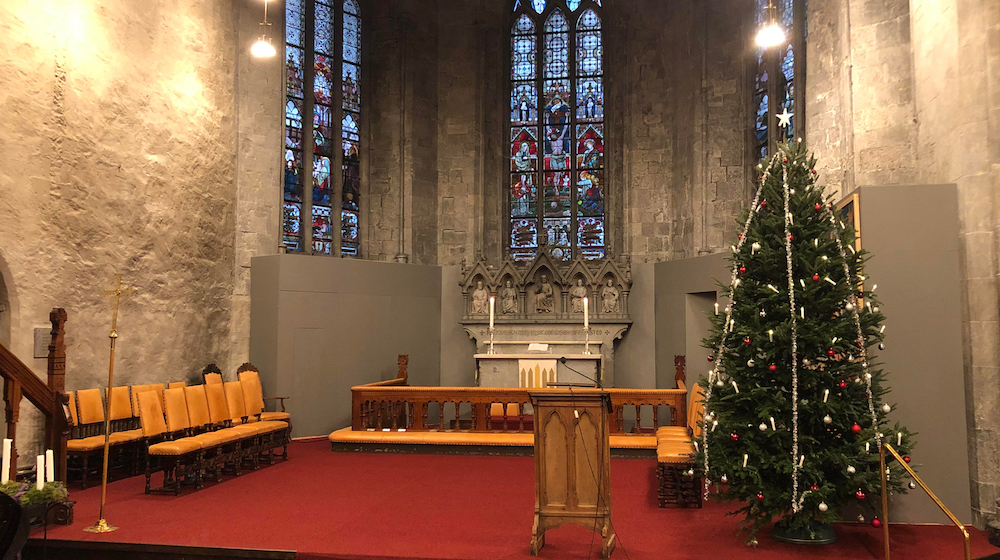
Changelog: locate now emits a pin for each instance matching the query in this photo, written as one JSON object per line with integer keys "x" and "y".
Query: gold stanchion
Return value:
{"x": 102, "y": 526}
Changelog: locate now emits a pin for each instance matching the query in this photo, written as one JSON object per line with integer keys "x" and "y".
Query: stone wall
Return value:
{"x": 909, "y": 92}
{"x": 117, "y": 156}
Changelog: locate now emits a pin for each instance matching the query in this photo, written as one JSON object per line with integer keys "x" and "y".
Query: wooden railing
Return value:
{"x": 393, "y": 405}
{"x": 19, "y": 381}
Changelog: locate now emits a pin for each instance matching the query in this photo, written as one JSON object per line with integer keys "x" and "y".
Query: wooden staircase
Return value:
{"x": 49, "y": 397}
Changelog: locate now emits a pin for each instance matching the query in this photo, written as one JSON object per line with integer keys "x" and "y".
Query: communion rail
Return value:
{"x": 49, "y": 397}
{"x": 392, "y": 405}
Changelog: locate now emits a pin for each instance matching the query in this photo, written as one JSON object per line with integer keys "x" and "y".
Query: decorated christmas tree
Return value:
{"x": 795, "y": 403}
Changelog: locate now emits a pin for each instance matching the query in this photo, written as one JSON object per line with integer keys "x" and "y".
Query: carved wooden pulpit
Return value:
{"x": 572, "y": 463}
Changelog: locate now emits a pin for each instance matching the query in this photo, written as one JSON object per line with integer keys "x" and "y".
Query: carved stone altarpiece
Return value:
{"x": 539, "y": 301}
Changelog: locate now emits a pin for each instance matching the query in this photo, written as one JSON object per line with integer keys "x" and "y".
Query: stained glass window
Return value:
{"x": 556, "y": 184}
{"x": 323, "y": 78}
{"x": 778, "y": 71}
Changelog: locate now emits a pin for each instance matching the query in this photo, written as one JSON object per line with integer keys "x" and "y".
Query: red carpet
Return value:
{"x": 353, "y": 505}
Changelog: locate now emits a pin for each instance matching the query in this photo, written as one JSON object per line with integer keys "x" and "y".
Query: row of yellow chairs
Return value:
{"x": 127, "y": 441}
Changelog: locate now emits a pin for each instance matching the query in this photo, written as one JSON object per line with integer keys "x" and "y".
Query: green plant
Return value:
{"x": 27, "y": 495}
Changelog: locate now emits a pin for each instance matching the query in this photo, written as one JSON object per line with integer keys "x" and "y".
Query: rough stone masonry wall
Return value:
{"x": 116, "y": 156}
{"x": 909, "y": 92}
{"x": 956, "y": 56}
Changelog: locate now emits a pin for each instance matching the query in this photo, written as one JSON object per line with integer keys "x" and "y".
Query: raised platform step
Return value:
{"x": 489, "y": 443}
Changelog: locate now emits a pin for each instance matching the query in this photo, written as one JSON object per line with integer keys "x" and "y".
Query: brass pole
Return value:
{"x": 102, "y": 525}
{"x": 885, "y": 501}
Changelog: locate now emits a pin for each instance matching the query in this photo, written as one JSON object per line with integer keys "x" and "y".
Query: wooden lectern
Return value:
{"x": 572, "y": 463}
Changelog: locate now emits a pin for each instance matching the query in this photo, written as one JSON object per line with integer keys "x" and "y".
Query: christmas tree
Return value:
{"x": 795, "y": 410}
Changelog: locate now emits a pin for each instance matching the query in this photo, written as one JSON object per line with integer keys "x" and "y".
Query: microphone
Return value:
{"x": 562, "y": 360}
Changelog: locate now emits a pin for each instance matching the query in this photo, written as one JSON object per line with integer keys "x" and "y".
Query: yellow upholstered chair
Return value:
{"x": 121, "y": 414}
{"x": 272, "y": 433}
{"x": 89, "y": 443}
{"x": 177, "y": 458}
{"x": 679, "y": 481}
{"x": 253, "y": 396}
{"x": 176, "y": 384}
{"x": 695, "y": 412}
{"x": 218, "y": 412}
{"x": 220, "y": 446}
{"x": 136, "y": 389}
{"x": 213, "y": 378}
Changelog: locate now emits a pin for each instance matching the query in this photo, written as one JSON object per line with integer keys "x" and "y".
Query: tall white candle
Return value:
{"x": 586, "y": 314}
{"x": 50, "y": 466}
{"x": 40, "y": 472}
{"x": 5, "y": 474}
{"x": 492, "y": 306}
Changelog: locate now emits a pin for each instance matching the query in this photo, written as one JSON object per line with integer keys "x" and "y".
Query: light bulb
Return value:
{"x": 263, "y": 48}
{"x": 771, "y": 35}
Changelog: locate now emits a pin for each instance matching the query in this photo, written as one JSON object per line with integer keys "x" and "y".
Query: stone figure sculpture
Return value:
{"x": 508, "y": 298}
{"x": 609, "y": 297}
{"x": 480, "y": 299}
{"x": 544, "y": 300}
{"x": 577, "y": 293}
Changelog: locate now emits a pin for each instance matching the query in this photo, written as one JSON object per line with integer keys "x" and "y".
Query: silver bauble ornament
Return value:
{"x": 875, "y": 309}
{"x": 851, "y": 469}
{"x": 912, "y": 485}
{"x": 751, "y": 363}
{"x": 822, "y": 507}
{"x": 861, "y": 518}
{"x": 881, "y": 346}
{"x": 763, "y": 313}
{"x": 886, "y": 408}
{"x": 719, "y": 383}
{"x": 762, "y": 427}
{"x": 849, "y": 306}
{"x": 827, "y": 419}
{"x": 724, "y": 479}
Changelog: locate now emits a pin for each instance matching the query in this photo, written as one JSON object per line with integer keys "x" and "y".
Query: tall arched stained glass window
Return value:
{"x": 321, "y": 35}
{"x": 557, "y": 130}
{"x": 779, "y": 78}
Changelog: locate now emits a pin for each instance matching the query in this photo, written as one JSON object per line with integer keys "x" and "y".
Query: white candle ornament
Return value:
{"x": 772, "y": 423}
{"x": 899, "y": 439}
{"x": 770, "y": 335}
{"x": 5, "y": 474}
{"x": 745, "y": 459}
{"x": 50, "y": 467}
{"x": 826, "y": 395}
{"x": 716, "y": 308}
{"x": 40, "y": 472}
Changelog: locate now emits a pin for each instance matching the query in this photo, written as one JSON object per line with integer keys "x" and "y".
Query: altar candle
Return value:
{"x": 40, "y": 472}
{"x": 586, "y": 314}
{"x": 50, "y": 467}
{"x": 5, "y": 474}
{"x": 492, "y": 304}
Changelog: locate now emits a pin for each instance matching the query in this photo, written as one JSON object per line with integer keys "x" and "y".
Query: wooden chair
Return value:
{"x": 136, "y": 389}
{"x": 125, "y": 434}
{"x": 218, "y": 411}
{"x": 272, "y": 433}
{"x": 213, "y": 378}
{"x": 219, "y": 446}
{"x": 679, "y": 480}
{"x": 176, "y": 384}
{"x": 88, "y": 442}
{"x": 177, "y": 458}
{"x": 253, "y": 395}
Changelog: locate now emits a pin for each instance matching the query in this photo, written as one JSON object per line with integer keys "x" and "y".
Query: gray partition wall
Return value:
{"x": 318, "y": 326}
{"x": 912, "y": 234}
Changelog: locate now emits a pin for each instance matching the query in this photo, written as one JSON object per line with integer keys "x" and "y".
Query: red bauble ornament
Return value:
{"x": 859, "y": 495}
{"x": 813, "y": 171}
{"x": 830, "y": 352}
{"x": 746, "y": 341}
{"x": 814, "y": 487}
{"x": 791, "y": 237}
{"x": 819, "y": 207}
{"x": 760, "y": 497}
{"x": 743, "y": 269}
{"x": 784, "y": 160}
{"x": 856, "y": 429}
{"x": 842, "y": 385}
{"x": 734, "y": 436}
{"x": 740, "y": 237}
{"x": 763, "y": 203}
{"x": 815, "y": 277}
{"x": 906, "y": 459}
{"x": 876, "y": 522}
{"x": 772, "y": 367}
{"x": 711, "y": 359}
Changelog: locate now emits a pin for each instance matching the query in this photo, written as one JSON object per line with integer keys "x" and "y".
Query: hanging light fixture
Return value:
{"x": 771, "y": 35}
{"x": 263, "y": 47}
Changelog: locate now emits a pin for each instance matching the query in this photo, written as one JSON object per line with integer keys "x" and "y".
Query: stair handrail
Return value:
{"x": 885, "y": 500}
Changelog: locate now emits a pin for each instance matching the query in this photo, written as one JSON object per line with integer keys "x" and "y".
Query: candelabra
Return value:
{"x": 586, "y": 344}
{"x": 492, "y": 329}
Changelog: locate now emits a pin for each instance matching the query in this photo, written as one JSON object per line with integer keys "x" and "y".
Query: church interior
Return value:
{"x": 556, "y": 299}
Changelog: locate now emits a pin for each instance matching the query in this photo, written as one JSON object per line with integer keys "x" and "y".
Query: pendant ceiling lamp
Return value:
{"x": 771, "y": 34}
{"x": 263, "y": 48}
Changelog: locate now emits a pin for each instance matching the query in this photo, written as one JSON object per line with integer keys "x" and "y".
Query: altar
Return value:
{"x": 536, "y": 370}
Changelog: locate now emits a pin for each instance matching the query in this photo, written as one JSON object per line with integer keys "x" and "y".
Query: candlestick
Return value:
{"x": 491, "y": 341}
{"x": 50, "y": 466}
{"x": 5, "y": 474}
{"x": 40, "y": 472}
{"x": 586, "y": 314}
{"x": 586, "y": 343}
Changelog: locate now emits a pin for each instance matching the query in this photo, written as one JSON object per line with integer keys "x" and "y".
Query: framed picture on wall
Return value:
{"x": 849, "y": 213}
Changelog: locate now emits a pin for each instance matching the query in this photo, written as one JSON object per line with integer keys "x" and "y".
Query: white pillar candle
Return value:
{"x": 40, "y": 472}
{"x": 5, "y": 474}
{"x": 586, "y": 314}
{"x": 50, "y": 466}
{"x": 492, "y": 305}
